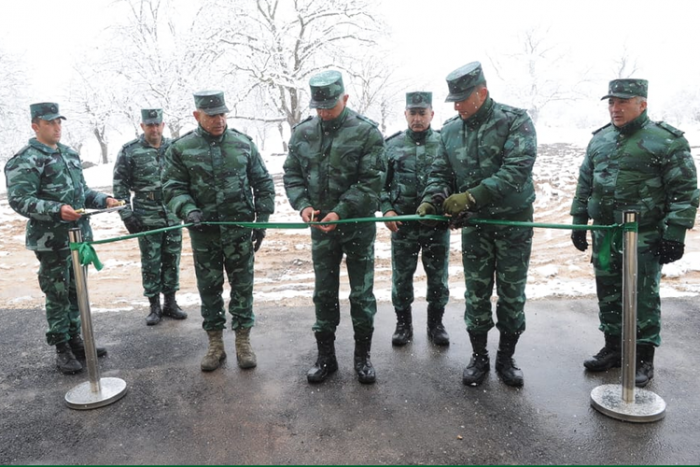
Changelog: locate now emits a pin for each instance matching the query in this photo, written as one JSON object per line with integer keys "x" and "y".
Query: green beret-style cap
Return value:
{"x": 463, "y": 80}
{"x": 419, "y": 100}
{"x": 627, "y": 88}
{"x": 210, "y": 102}
{"x": 326, "y": 88}
{"x": 149, "y": 116}
{"x": 46, "y": 111}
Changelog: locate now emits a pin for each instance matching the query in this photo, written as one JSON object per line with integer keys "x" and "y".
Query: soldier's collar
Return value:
{"x": 418, "y": 136}
{"x": 332, "y": 125}
{"x": 44, "y": 148}
{"x": 208, "y": 136}
{"x": 481, "y": 115}
{"x": 634, "y": 125}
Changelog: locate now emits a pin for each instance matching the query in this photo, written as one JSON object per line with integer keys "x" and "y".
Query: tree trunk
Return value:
{"x": 104, "y": 150}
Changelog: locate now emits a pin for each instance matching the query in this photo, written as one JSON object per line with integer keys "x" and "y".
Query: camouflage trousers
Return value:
{"x": 433, "y": 243}
{"x": 503, "y": 253}
{"x": 57, "y": 282}
{"x": 356, "y": 242}
{"x": 609, "y": 288}
{"x": 160, "y": 262}
{"x": 213, "y": 254}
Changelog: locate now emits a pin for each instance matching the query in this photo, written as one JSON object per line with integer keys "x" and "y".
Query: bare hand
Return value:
{"x": 69, "y": 214}
{"x": 393, "y": 226}
{"x": 113, "y": 203}
{"x": 331, "y": 216}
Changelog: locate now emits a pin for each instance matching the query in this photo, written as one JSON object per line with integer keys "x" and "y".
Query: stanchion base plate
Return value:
{"x": 82, "y": 397}
{"x": 647, "y": 406}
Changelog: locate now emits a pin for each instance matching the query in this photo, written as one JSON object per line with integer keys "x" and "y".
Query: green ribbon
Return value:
{"x": 612, "y": 238}
{"x": 87, "y": 254}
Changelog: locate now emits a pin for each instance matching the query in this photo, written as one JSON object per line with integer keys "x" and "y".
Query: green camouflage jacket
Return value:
{"x": 335, "y": 166}
{"x": 491, "y": 155}
{"x": 222, "y": 176}
{"x": 643, "y": 166}
{"x": 138, "y": 168}
{"x": 40, "y": 180}
{"x": 407, "y": 160}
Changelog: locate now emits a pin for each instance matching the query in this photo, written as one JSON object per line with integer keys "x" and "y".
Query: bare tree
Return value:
{"x": 538, "y": 73}
{"x": 276, "y": 45}
{"x": 625, "y": 64}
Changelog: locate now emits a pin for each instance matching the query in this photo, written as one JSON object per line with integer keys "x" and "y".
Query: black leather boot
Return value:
{"x": 78, "y": 347}
{"x": 156, "y": 311}
{"x": 436, "y": 331}
{"x": 479, "y": 365}
{"x": 66, "y": 361}
{"x": 404, "y": 327}
{"x": 363, "y": 365}
{"x": 645, "y": 365}
{"x": 171, "y": 308}
{"x": 326, "y": 362}
{"x": 506, "y": 367}
{"x": 610, "y": 356}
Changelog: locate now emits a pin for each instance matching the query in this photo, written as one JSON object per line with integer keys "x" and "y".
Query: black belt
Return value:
{"x": 152, "y": 195}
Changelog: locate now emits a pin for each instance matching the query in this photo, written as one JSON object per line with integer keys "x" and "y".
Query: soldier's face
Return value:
{"x": 333, "y": 113}
{"x": 153, "y": 133}
{"x": 213, "y": 124}
{"x": 48, "y": 132}
{"x": 471, "y": 104}
{"x": 623, "y": 111}
{"x": 419, "y": 119}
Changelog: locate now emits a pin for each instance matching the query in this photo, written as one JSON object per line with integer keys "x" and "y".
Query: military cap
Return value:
{"x": 627, "y": 88}
{"x": 45, "y": 111}
{"x": 149, "y": 116}
{"x": 419, "y": 100}
{"x": 326, "y": 88}
{"x": 463, "y": 80}
{"x": 210, "y": 102}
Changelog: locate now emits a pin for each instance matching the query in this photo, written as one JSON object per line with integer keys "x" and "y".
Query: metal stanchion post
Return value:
{"x": 625, "y": 402}
{"x": 96, "y": 392}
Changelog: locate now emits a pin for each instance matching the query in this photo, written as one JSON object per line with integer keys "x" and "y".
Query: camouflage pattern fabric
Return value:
{"x": 226, "y": 179}
{"x": 408, "y": 158}
{"x": 40, "y": 180}
{"x": 138, "y": 169}
{"x": 335, "y": 166}
{"x": 491, "y": 155}
{"x": 57, "y": 282}
{"x": 645, "y": 167}
{"x": 356, "y": 242}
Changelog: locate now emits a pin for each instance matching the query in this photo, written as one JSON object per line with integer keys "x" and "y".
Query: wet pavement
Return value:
{"x": 418, "y": 412}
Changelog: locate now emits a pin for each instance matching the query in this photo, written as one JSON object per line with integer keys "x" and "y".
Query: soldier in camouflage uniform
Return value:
{"x": 487, "y": 153}
{"x": 216, "y": 174}
{"x": 408, "y": 157}
{"x": 634, "y": 164}
{"x": 138, "y": 169}
{"x": 45, "y": 184}
{"x": 332, "y": 172}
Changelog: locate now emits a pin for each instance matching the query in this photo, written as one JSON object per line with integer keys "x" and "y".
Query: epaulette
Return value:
{"x": 130, "y": 143}
{"x": 450, "y": 120}
{"x": 182, "y": 136}
{"x": 671, "y": 129}
{"x": 514, "y": 110}
{"x": 368, "y": 120}
{"x": 303, "y": 121}
{"x": 393, "y": 136}
{"x": 602, "y": 128}
{"x": 242, "y": 134}
{"x": 22, "y": 150}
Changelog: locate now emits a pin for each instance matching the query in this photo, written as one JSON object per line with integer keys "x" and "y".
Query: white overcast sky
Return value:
{"x": 430, "y": 38}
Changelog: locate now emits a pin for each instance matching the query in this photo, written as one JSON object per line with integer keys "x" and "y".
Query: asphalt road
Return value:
{"x": 418, "y": 412}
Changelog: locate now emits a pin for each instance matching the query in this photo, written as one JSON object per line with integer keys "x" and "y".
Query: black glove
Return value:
{"x": 578, "y": 238}
{"x": 257, "y": 238}
{"x": 670, "y": 251}
{"x": 195, "y": 217}
{"x": 134, "y": 225}
{"x": 461, "y": 220}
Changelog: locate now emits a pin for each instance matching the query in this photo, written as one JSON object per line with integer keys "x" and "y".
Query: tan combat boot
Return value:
{"x": 244, "y": 352}
{"x": 216, "y": 354}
